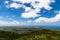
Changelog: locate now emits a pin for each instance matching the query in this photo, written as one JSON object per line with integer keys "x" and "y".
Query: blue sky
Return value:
{"x": 29, "y": 12}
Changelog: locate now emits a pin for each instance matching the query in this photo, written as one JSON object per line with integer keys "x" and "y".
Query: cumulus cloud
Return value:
{"x": 42, "y": 3}
{"x": 36, "y": 4}
{"x": 30, "y": 14}
{"x": 33, "y": 12}
{"x": 54, "y": 19}
{"x": 15, "y": 5}
{"x": 27, "y": 8}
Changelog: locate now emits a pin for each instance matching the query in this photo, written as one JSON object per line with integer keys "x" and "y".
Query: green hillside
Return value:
{"x": 44, "y": 34}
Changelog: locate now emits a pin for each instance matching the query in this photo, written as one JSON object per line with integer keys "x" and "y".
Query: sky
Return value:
{"x": 29, "y": 12}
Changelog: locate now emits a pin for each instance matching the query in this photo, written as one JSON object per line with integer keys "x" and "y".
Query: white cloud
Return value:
{"x": 27, "y": 8}
{"x": 33, "y": 12}
{"x": 54, "y": 19}
{"x": 29, "y": 15}
{"x": 6, "y": 2}
{"x": 5, "y": 23}
{"x": 15, "y": 5}
{"x": 42, "y": 3}
{"x": 23, "y": 1}
{"x": 29, "y": 12}
{"x": 41, "y": 19}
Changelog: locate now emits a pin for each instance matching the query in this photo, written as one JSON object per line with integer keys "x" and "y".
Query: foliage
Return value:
{"x": 44, "y": 34}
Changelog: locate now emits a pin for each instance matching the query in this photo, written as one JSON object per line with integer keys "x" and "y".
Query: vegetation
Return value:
{"x": 44, "y": 34}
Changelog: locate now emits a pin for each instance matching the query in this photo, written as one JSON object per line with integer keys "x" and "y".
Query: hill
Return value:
{"x": 44, "y": 34}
